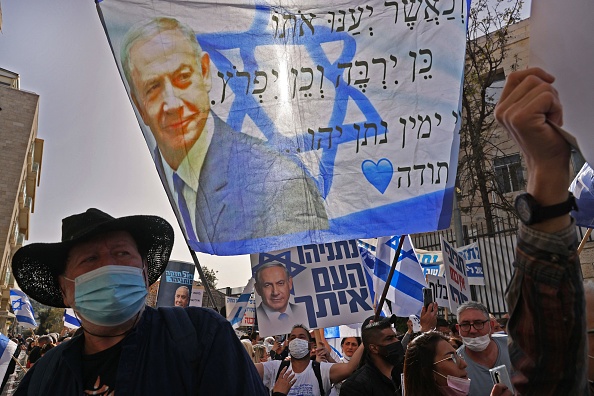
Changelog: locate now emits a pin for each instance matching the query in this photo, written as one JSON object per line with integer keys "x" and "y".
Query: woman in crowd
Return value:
{"x": 247, "y": 344}
{"x": 260, "y": 354}
{"x": 432, "y": 367}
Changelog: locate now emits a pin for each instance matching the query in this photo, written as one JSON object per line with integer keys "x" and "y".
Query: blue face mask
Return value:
{"x": 110, "y": 295}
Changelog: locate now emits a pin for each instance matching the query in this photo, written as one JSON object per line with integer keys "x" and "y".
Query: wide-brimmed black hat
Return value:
{"x": 36, "y": 267}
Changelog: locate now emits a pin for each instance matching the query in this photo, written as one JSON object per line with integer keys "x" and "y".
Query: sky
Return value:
{"x": 94, "y": 152}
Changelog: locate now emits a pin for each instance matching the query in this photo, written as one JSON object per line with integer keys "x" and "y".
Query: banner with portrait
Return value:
{"x": 274, "y": 125}
{"x": 175, "y": 288}
{"x": 315, "y": 285}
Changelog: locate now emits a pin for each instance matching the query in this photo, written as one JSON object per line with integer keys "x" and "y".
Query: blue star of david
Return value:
{"x": 248, "y": 106}
{"x": 18, "y": 304}
{"x": 407, "y": 254}
{"x": 283, "y": 258}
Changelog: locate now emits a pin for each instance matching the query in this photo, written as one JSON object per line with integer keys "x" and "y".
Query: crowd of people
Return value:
{"x": 103, "y": 267}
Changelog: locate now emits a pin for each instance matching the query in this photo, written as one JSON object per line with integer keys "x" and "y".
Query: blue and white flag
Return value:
{"x": 582, "y": 188}
{"x": 22, "y": 308}
{"x": 325, "y": 142}
{"x": 406, "y": 287}
{"x": 236, "y": 314}
{"x": 70, "y": 319}
{"x": 368, "y": 259}
{"x": 7, "y": 349}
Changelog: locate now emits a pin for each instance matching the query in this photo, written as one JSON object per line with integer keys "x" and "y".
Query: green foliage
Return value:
{"x": 211, "y": 277}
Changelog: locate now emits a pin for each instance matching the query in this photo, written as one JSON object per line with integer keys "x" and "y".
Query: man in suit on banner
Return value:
{"x": 273, "y": 285}
{"x": 226, "y": 185}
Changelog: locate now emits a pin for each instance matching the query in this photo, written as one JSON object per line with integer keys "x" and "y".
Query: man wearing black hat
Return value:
{"x": 102, "y": 269}
{"x": 384, "y": 356}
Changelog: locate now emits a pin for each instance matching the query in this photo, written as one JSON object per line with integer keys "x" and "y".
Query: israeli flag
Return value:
{"x": 70, "y": 319}
{"x": 236, "y": 314}
{"x": 7, "y": 349}
{"x": 367, "y": 252}
{"x": 406, "y": 288}
{"x": 22, "y": 308}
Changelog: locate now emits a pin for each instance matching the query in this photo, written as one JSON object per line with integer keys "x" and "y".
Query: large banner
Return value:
{"x": 315, "y": 285}
{"x": 175, "y": 288}
{"x": 275, "y": 125}
{"x": 432, "y": 263}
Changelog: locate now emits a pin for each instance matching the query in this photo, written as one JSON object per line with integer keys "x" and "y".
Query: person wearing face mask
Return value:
{"x": 310, "y": 378}
{"x": 102, "y": 269}
{"x": 383, "y": 357}
{"x": 432, "y": 367}
{"x": 480, "y": 350}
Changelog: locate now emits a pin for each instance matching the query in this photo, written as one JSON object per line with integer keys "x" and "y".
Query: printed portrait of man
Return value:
{"x": 273, "y": 285}
{"x": 225, "y": 185}
{"x": 182, "y": 297}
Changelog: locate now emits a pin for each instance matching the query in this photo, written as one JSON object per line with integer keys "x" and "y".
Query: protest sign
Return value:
{"x": 308, "y": 122}
{"x": 456, "y": 278}
{"x": 249, "y": 317}
{"x": 196, "y": 297}
{"x": 582, "y": 188}
{"x": 440, "y": 289}
{"x": 432, "y": 263}
{"x": 315, "y": 285}
{"x": 564, "y": 27}
{"x": 175, "y": 287}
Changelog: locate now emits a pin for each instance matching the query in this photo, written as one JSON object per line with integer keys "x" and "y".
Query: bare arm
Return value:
{"x": 341, "y": 371}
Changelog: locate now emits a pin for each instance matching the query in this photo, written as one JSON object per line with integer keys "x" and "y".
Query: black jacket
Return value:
{"x": 369, "y": 381}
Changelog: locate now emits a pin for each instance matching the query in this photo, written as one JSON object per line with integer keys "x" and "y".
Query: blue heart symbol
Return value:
{"x": 380, "y": 174}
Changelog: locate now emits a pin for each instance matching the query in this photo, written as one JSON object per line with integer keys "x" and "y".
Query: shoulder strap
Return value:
{"x": 316, "y": 368}
{"x": 284, "y": 363}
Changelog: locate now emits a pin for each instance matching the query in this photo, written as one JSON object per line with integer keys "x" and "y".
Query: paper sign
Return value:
{"x": 314, "y": 285}
{"x": 456, "y": 278}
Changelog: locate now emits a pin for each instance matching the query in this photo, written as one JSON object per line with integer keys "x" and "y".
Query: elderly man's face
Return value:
{"x": 182, "y": 297}
{"x": 475, "y": 318}
{"x": 274, "y": 287}
{"x": 111, "y": 248}
{"x": 171, "y": 86}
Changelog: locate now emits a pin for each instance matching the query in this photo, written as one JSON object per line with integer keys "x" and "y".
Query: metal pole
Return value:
{"x": 389, "y": 280}
{"x": 457, "y": 221}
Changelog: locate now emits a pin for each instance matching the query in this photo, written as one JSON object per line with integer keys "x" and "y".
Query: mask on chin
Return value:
{"x": 456, "y": 386}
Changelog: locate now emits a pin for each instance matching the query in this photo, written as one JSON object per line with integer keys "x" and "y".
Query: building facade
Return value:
{"x": 20, "y": 163}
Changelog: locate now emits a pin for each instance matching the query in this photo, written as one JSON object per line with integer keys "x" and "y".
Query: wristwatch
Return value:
{"x": 531, "y": 212}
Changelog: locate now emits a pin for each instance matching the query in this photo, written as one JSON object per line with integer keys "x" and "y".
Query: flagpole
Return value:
{"x": 17, "y": 362}
{"x": 584, "y": 240}
{"x": 202, "y": 277}
{"x": 389, "y": 280}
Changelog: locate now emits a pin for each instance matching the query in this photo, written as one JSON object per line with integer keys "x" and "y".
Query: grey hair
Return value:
{"x": 269, "y": 265}
{"x": 145, "y": 30}
{"x": 472, "y": 305}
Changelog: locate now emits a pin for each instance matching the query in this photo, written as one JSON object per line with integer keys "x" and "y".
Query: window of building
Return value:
{"x": 509, "y": 173}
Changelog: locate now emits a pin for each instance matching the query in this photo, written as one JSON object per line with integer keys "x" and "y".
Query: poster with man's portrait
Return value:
{"x": 175, "y": 288}
{"x": 315, "y": 285}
